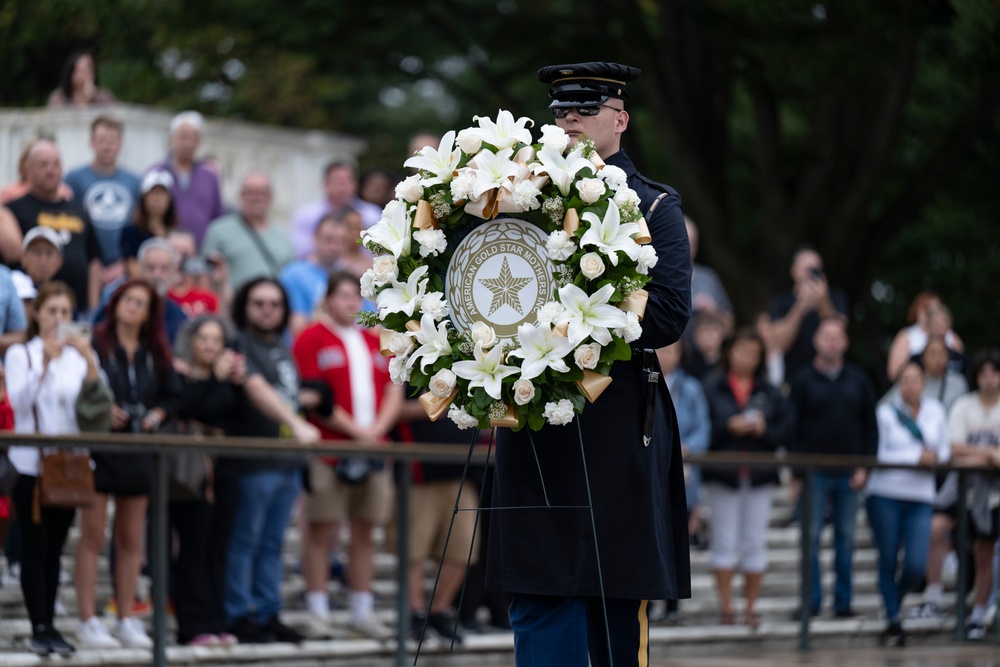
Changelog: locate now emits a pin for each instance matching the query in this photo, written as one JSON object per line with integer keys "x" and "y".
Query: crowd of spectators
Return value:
{"x": 229, "y": 322}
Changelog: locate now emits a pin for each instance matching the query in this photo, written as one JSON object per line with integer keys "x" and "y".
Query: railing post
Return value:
{"x": 962, "y": 551}
{"x": 404, "y": 479}
{"x": 805, "y": 562}
{"x": 160, "y": 557}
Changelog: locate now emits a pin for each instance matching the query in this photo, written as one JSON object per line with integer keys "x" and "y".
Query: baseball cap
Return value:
{"x": 44, "y": 233}
{"x": 157, "y": 177}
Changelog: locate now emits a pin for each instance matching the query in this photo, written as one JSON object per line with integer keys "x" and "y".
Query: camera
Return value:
{"x": 816, "y": 273}
{"x": 67, "y": 329}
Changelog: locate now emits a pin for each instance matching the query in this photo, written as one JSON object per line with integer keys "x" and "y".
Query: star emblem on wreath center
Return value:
{"x": 505, "y": 289}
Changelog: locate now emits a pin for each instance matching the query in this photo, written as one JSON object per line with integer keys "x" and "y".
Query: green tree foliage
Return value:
{"x": 869, "y": 129}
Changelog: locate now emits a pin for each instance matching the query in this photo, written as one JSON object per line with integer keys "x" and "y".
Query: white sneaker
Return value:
{"x": 132, "y": 635}
{"x": 60, "y": 609}
{"x": 371, "y": 628}
{"x": 316, "y": 627}
{"x": 93, "y": 634}
{"x": 11, "y": 576}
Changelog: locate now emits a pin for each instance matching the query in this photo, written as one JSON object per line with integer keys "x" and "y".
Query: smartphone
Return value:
{"x": 67, "y": 329}
{"x": 816, "y": 273}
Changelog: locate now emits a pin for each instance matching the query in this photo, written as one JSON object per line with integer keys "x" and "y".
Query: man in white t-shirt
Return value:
{"x": 974, "y": 431}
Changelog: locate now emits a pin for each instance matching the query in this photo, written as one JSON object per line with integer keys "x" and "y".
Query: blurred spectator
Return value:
{"x": 356, "y": 257}
{"x": 912, "y": 430}
{"x": 78, "y": 85}
{"x": 20, "y": 187}
{"x": 347, "y": 358}
{"x": 136, "y": 360}
{"x": 44, "y": 206}
{"x": 107, "y": 192}
{"x": 834, "y": 404}
{"x": 422, "y": 140}
{"x": 707, "y": 292}
{"x": 695, "y": 429}
{"x": 939, "y": 326}
{"x": 974, "y": 432}
{"x": 187, "y": 292}
{"x": 306, "y": 280}
{"x": 795, "y": 315}
{"x": 704, "y": 355}
{"x": 378, "y": 187}
{"x": 44, "y": 377}
{"x": 249, "y": 242}
{"x": 216, "y": 281}
{"x": 196, "y": 187}
{"x": 340, "y": 189}
{"x": 13, "y": 321}
{"x": 911, "y": 340}
{"x": 10, "y": 237}
{"x": 748, "y": 415}
{"x": 263, "y": 490}
{"x": 155, "y": 217}
{"x": 775, "y": 356}
{"x": 941, "y": 382}
{"x": 212, "y": 377}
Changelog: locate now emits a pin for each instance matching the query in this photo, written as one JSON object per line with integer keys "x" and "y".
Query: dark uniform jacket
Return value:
{"x": 640, "y": 512}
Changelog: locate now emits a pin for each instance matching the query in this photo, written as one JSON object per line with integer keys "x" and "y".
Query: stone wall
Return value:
{"x": 294, "y": 158}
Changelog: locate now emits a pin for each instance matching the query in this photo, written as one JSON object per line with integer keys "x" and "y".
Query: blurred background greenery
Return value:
{"x": 869, "y": 128}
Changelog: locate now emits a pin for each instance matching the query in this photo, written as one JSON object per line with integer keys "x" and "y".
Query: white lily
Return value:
{"x": 433, "y": 342}
{"x": 493, "y": 170}
{"x": 403, "y": 297}
{"x": 441, "y": 162}
{"x": 541, "y": 350}
{"x": 505, "y": 132}
{"x": 561, "y": 169}
{"x": 609, "y": 235}
{"x": 485, "y": 371}
{"x": 392, "y": 232}
{"x": 590, "y": 315}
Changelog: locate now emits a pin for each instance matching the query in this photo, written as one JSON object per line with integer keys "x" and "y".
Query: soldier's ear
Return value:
{"x": 621, "y": 122}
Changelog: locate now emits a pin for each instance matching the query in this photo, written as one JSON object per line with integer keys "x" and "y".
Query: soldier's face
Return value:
{"x": 605, "y": 129}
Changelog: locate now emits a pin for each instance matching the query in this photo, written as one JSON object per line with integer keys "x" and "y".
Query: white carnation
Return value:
{"x": 632, "y": 329}
{"x": 399, "y": 372}
{"x": 549, "y": 313}
{"x": 385, "y": 269}
{"x": 461, "y": 185}
{"x": 587, "y": 356}
{"x": 469, "y": 140}
{"x": 462, "y": 419}
{"x": 614, "y": 176}
{"x": 591, "y": 265}
{"x": 559, "y": 413}
{"x": 433, "y": 304}
{"x": 590, "y": 189}
{"x": 368, "y": 284}
{"x": 484, "y": 333}
{"x": 442, "y": 383}
{"x": 432, "y": 241}
{"x": 646, "y": 260}
{"x": 626, "y": 197}
{"x": 524, "y": 391}
{"x": 525, "y": 196}
{"x": 410, "y": 189}
{"x": 560, "y": 245}
{"x": 554, "y": 137}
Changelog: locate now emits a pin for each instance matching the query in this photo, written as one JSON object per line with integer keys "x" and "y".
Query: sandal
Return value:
{"x": 727, "y": 618}
{"x": 751, "y": 620}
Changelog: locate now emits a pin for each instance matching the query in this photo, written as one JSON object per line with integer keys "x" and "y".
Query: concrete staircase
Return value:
{"x": 699, "y": 632}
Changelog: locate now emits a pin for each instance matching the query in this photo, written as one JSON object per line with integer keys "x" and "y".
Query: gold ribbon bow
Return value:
{"x": 642, "y": 237}
{"x": 424, "y": 219}
{"x": 571, "y": 222}
{"x": 635, "y": 302}
{"x": 435, "y": 406}
{"x": 509, "y": 419}
{"x": 593, "y": 384}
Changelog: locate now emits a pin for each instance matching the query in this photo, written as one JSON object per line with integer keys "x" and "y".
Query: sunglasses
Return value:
{"x": 562, "y": 112}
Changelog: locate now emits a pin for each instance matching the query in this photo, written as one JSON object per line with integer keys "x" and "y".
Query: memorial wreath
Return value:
{"x": 508, "y": 275}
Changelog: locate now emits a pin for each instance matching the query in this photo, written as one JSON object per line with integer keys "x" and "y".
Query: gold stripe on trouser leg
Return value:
{"x": 643, "y": 634}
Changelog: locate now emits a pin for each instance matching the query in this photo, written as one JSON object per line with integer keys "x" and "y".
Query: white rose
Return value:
{"x": 524, "y": 391}
{"x": 399, "y": 344}
{"x": 368, "y": 284}
{"x": 385, "y": 270}
{"x": 433, "y": 304}
{"x": 442, "y": 383}
{"x": 559, "y": 413}
{"x": 560, "y": 245}
{"x": 432, "y": 241}
{"x": 461, "y": 185}
{"x": 591, "y": 265}
{"x": 469, "y": 140}
{"x": 399, "y": 372}
{"x": 626, "y": 197}
{"x": 614, "y": 176}
{"x": 590, "y": 189}
{"x": 410, "y": 189}
{"x": 483, "y": 333}
{"x": 462, "y": 419}
{"x": 549, "y": 313}
{"x": 554, "y": 137}
{"x": 587, "y": 356}
{"x": 632, "y": 329}
{"x": 646, "y": 259}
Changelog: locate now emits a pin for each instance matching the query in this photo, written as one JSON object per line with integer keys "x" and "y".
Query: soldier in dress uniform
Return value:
{"x": 561, "y": 581}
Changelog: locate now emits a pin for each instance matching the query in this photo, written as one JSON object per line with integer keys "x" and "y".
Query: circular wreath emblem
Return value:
{"x": 508, "y": 275}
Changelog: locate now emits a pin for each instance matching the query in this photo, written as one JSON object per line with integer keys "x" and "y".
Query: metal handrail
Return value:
{"x": 162, "y": 445}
